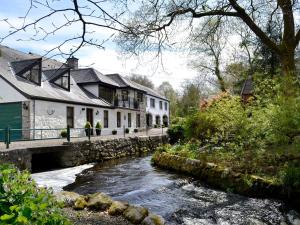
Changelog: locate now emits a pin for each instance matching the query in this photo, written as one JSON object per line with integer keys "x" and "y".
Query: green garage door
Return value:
{"x": 11, "y": 116}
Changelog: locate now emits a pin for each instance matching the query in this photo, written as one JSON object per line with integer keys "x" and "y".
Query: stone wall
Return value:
{"x": 20, "y": 157}
{"x": 78, "y": 153}
{"x": 226, "y": 179}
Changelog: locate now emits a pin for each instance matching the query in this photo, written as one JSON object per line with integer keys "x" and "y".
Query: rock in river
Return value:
{"x": 135, "y": 214}
{"x": 153, "y": 219}
{"x": 117, "y": 208}
{"x": 99, "y": 201}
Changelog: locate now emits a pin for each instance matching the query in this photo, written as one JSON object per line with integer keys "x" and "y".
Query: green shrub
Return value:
{"x": 22, "y": 202}
{"x": 136, "y": 130}
{"x": 114, "y": 132}
{"x": 291, "y": 177}
{"x": 127, "y": 130}
{"x": 87, "y": 125}
{"x": 175, "y": 133}
{"x": 199, "y": 126}
{"x": 98, "y": 126}
{"x": 155, "y": 126}
{"x": 64, "y": 133}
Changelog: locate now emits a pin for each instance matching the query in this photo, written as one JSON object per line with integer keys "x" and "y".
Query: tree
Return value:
{"x": 190, "y": 99}
{"x": 150, "y": 23}
{"x": 167, "y": 90}
{"x": 209, "y": 42}
{"x": 78, "y": 21}
{"x": 157, "y": 19}
{"x": 141, "y": 79}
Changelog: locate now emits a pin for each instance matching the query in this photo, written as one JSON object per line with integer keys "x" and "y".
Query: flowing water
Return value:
{"x": 179, "y": 199}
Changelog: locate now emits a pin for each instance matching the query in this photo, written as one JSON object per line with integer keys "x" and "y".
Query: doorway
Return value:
{"x": 90, "y": 117}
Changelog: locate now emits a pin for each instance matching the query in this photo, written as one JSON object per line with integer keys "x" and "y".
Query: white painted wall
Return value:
{"x": 53, "y": 115}
{"x": 9, "y": 94}
{"x": 157, "y": 111}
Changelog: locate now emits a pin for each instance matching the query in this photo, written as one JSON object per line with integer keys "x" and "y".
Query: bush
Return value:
{"x": 114, "y": 132}
{"x": 87, "y": 125}
{"x": 176, "y": 133}
{"x": 199, "y": 126}
{"x": 135, "y": 130}
{"x": 127, "y": 130}
{"x": 64, "y": 133}
{"x": 22, "y": 202}
{"x": 155, "y": 126}
{"x": 291, "y": 177}
{"x": 98, "y": 126}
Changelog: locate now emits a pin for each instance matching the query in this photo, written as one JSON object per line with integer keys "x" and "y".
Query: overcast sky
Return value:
{"x": 174, "y": 69}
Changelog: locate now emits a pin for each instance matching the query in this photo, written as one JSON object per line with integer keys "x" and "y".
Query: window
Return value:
{"x": 152, "y": 102}
{"x": 118, "y": 119}
{"x": 105, "y": 119}
{"x": 160, "y": 105}
{"x": 139, "y": 97}
{"x": 106, "y": 93}
{"x": 33, "y": 74}
{"x": 138, "y": 120}
{"x": 70, "y": 117}
{"x": 124, "y": 95}
{"x": 166, "y": 106}
{"x": 63, "y": 81}
{"x": 129, "y": 119}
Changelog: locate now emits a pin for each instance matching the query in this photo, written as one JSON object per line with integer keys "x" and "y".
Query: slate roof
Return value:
{"x": 13, "y": 62}
{"x": 47, "y": 90}
{"x": 90, "y": 75}
{"x": 50, "y": 75}
{"x": 19, "y": 66}
{"x": 125, "y": 82}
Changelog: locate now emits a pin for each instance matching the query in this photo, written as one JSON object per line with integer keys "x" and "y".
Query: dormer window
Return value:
{"x": 60, "y": 77}
{"x": 63, "y": 81}
{"x": 29, "y": 70}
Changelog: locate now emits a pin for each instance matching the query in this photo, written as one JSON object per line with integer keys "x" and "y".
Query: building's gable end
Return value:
{"x": 8, "y": 93}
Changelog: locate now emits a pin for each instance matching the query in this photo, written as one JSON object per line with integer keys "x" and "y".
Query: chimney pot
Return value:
{"x": 72, "y": 63}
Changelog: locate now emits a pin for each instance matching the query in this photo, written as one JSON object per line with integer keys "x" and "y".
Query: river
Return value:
{"x": 179, "y": 199}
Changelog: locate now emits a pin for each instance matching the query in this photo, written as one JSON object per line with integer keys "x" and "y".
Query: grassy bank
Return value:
{"x": 280, "y": 165}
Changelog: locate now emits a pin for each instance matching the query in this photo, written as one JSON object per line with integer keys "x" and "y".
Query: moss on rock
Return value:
{"x": 153, "y": 219}
{"x": 135, "y": 214}
{"x": 117, "y": 208}
{"x": 99, "y": 201}
{"x": 80, "y": 203}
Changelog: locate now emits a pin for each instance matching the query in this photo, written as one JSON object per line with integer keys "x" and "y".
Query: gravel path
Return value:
{"x": 93, "y": 218}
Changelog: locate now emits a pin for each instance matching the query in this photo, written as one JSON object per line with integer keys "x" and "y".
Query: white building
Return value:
{"x": 39, "y": 93}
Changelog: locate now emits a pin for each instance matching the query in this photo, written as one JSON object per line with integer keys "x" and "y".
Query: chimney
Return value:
{"x": 72, "y": 63}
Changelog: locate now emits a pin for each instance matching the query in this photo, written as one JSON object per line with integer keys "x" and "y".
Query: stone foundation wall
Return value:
{"x": 20, "y": 157}
{"x": 78, "y": 153}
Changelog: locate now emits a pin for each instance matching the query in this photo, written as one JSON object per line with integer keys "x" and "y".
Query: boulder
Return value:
{"x": 68, "y": 198}
{"x": 80, "y": 203}
{"x": 117, "y": 208}
{"x": 153, "y": 219}
{"x": 135, "y": 214}
{"x": 99, "y": 201}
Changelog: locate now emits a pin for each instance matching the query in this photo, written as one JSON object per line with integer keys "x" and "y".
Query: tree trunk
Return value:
{"x": 287, "y": 59}
{"x": 219, "y": 76}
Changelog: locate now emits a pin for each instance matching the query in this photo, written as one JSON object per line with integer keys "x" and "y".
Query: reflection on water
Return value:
{"x": 179, "y": 199}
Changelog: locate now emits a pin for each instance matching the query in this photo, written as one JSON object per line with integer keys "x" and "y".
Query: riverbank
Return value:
{"x": 226, "y": 179}
{"x": 99, "y": 208}
{"x": 93, "y": 218}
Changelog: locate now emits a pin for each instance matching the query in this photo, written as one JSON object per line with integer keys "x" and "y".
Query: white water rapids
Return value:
{"x": 57, "y": 179}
